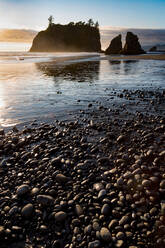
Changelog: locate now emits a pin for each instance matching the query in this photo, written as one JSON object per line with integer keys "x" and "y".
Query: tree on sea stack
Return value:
{"x": 50, "y": 19}
{"x": 97, "y": 25}
{"x": 90, "y": 22}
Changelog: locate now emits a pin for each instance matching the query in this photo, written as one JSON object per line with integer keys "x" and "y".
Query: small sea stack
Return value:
{"x": 132, "y": 45}
{"x": 115, "y": 46}
{"x": 153, "y": 49}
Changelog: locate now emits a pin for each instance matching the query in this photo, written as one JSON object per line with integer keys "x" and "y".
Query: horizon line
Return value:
{"x": 101, "y": 28}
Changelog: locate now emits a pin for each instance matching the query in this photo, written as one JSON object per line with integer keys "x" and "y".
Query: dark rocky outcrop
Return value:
{"x": 132, "y": 46}
{"x": 115, "y": 46}
{"x": 153, "y": 49}
{"x": 79, "y": 37}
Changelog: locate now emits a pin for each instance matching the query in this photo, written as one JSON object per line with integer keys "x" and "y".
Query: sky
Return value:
{"x": 33, "y": 14}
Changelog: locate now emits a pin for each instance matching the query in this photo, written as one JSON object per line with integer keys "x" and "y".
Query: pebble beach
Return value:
{"x": 95, "y": 182}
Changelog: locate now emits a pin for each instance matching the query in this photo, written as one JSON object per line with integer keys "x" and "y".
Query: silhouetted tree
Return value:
{"x": 50, "y": 19}
{"x": 71, "y": 24}
{"x": 97, "y": 25}
{"x": 90, "y": 22}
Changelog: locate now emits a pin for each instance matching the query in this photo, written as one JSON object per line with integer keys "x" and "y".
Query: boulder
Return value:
{"x": 115, "y": 46}
{"x": 132, "y": 46}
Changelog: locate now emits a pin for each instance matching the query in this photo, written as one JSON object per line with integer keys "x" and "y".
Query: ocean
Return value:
{"x": 44, "y": 86}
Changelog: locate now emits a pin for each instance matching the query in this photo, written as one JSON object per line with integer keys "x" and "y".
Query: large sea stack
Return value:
{"x": 115, "y": 46}
{"x": 132, "y": 46}
{"x": 78, "y": 37}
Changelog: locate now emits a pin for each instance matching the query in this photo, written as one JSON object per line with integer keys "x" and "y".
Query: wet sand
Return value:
{"x": 138, "y": 57}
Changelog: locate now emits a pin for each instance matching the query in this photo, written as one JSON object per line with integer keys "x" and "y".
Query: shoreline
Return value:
{"x": 137, "y": 57}
{"x": 93, "y": 182}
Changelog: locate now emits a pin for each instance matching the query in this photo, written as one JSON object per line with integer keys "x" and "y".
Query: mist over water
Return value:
{"x": 14, "y": 46}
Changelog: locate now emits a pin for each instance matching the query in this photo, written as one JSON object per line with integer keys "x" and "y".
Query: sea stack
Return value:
{"x": 73, "y": 37}
{"x": 153, "y": 49}
{"x": 115, "y": 46}
{"x": 132, "y": 46}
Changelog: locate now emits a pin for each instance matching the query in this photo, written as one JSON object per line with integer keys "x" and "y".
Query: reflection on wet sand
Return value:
{"x": 80, "y": 72}
{"x": 129, "y": 66}
{"x": 114, "y": 62}
{"x": 125, "y": 66}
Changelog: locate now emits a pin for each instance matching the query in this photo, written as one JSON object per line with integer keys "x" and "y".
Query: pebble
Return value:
{"x": 162, "y": 207}
{"x": 120, "y": 235}
{"x": 102, "y": 193}
{"x": 22, "y": 190}
{"x": 105, "y": 234}
{"x": 94, "y": 244}
{"x": 124, "y": 220}
{"x": 113, "y": 194}
{"x": 112, "y": 224}
{"x": 119, "y": 244}
{"x": 78, "y": 209}
{"x": 162, "y": 184}
{"x": 146, "y": 183}
{"x": 27, "y": 210}
{"x": 60, "y": 216}
{"x": 121, "y": 138}
{"x": 106, "y": 209}
{"x": 61, "y": 178}
{"x": 98, "y": 186}
{"x": 45, "y": 200}
{"x": 2, "y": 230}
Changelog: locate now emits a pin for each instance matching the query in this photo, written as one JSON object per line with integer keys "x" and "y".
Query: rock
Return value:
{"x": 153, "y": 49}
{"x": 105, "y": 234}
{"x": 35, "y": 191}
{"x": 94, "y": 244}
{"x": 162, "y": 184}
{"x": 105, "y": 209}
{"x": 22, "y": 190}
{"x": 121, "y": 138}
{"x": 45, "y": 200}
{"x": 124, "y": 220}
{"x": 120, "y": 235}
{"x": 96, "y": 226}
{"x": 119, "y": 243}
{"x": 113, "y": 223}
{"x": 27, "y": 210}
{"x": 146, "y": 183}
{"x": 102, "y": 193}
{"x": 56, "y": 162}
{"x": 115, "y": 46}
{"x": 162, "y": 207}
{"x": 13, "y": 210}
{"x": 61, "y": 178}
{"x": 120, "y": 181}
{"x": 88, "y": 229}
{"x": 162, "y": 154}
{"x": 2, "y": 230}
{"x": 60, "y": 216}
{"x": 132, "y": 46}
{"x": 2, "y": 132}
{"x": 78, "y": 210}
{"x": 67, "y": 38}
{"x": 98, "y": 186}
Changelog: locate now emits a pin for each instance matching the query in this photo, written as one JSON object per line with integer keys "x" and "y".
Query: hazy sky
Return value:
{"x": 33, "y": 14}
